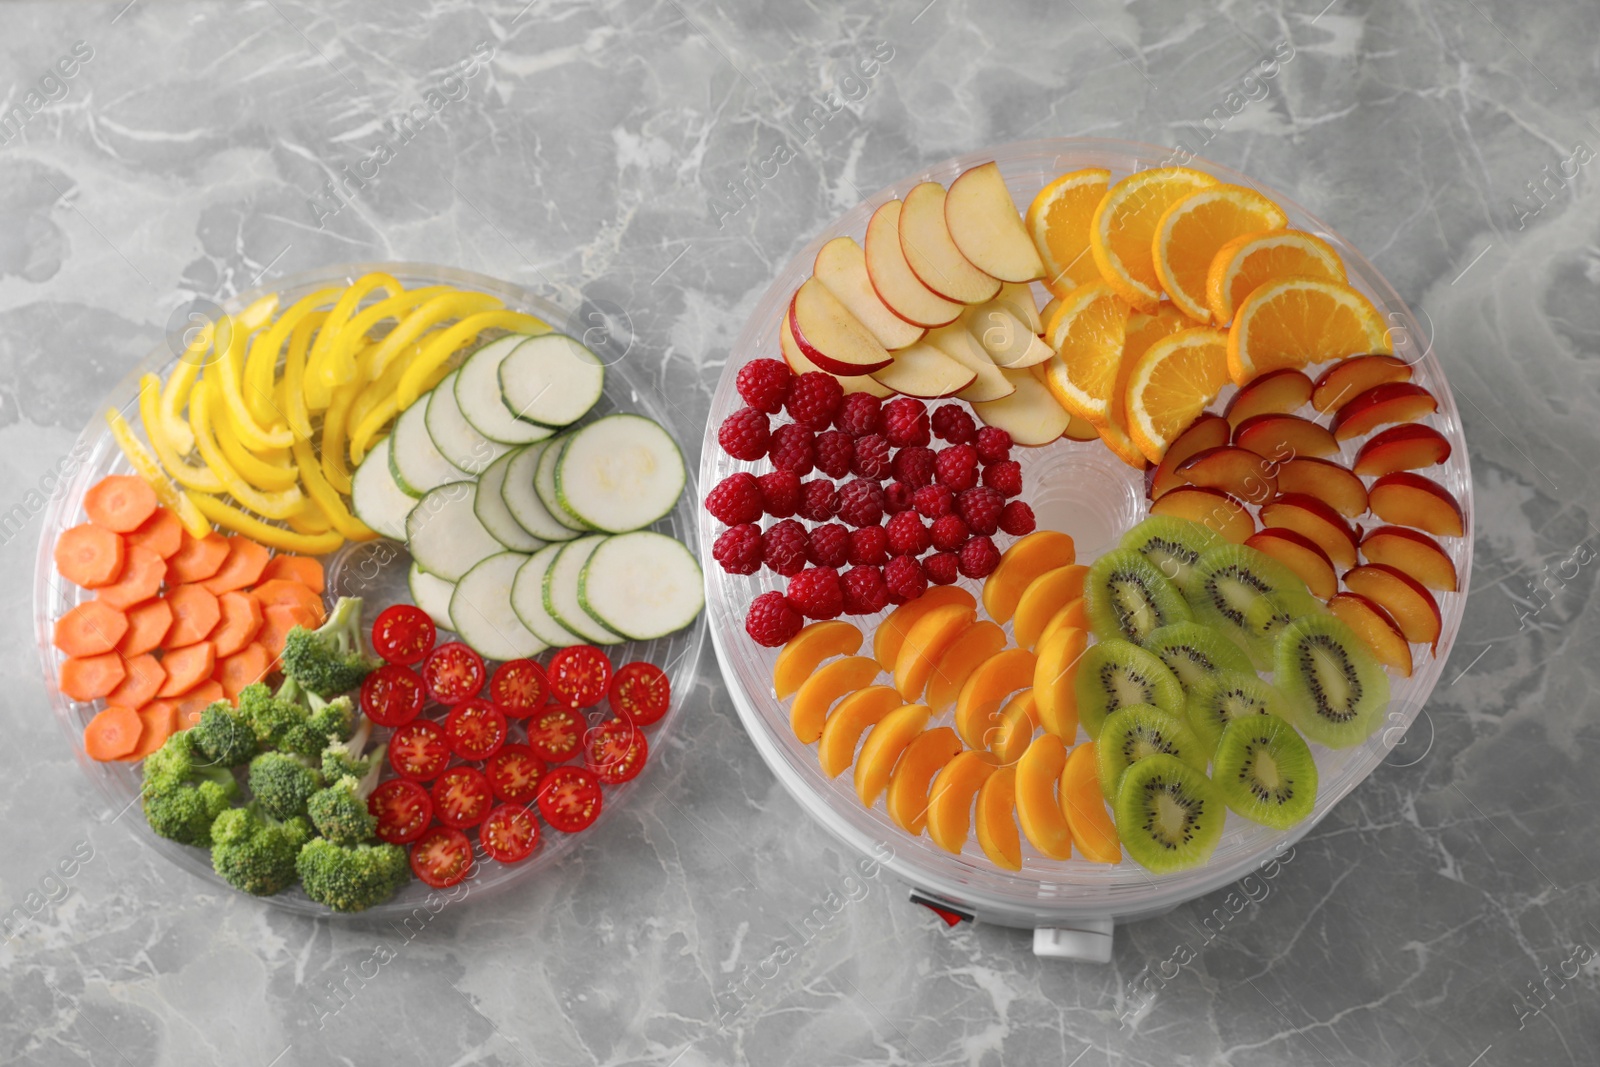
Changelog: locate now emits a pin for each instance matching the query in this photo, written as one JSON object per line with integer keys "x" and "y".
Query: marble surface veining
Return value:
{"x": 1445, "y": 914}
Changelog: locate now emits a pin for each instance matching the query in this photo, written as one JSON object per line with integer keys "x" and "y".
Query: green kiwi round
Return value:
{"x": 1169, "y": 815}
{"x": 1113, "y": 674}
{"x": 1128, "y": 596}
{"x": 1227, "y": 695}
{"x": 1193, "y": 652}
{"x": 1172, "y": 545}
{"x": 1336, "y": 692}
{"x": 1138, "y": 731}
{"x": 1265, "y": 772}
{"x": 1249, "y": 596}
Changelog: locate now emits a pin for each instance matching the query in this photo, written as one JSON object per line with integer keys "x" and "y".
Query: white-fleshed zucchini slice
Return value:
{"x": 444, "y": 534}
{"x": 544, "y": 484}
{"x": 619, "y": 473}
{"x": 481, "y": 608}
{"x": 477, "y": 389}
{"x": 432, "y": 594}
{"x": 416, "y": 463}
{"x": 522, "y": 499}
{"x": 455, "y": 437}
{"x": 489, "y": 504}
{"x": 643, "y": 585}
{"x": 551, "y": 380}
{"x": 376, "y": 498}
{"x": 561, "y": 592}
{"x": 527, "y": 600}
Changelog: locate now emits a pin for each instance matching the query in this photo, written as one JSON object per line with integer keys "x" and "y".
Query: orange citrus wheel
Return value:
{"x": 1300, "y": 321}
{"x": 1143, "y": 330}
{"x": 1124, "y": 228}
{"x": 1087, "y": 331}
{"x": 1058, "y": 221}
{"x": 1190, "y": 232}
{"x": 1171, "y": 384}
{"x": 1246, "y": 263}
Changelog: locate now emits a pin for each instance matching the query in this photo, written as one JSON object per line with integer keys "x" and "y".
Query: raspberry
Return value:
{"x": 816, "y": 593}
{"x": 949, "y": 533}
{"x": 735, "y": 499}
{"x": 771, "y": 621}
{"x": 978, "y": 557}
{"x": 864, "y": 591}
{"x": 896, "y": 498}
{"x": 1017, "y": 519}
{"x": 789, "y": 448}
{"x": 980, "y": 507}
{"x": 994, "y": 444}
{"x": 818, "y": 499}
{"x": 833, "y": 452}
{"x": 869, "y": 546}
{"x": 780, "y": 493}
{"x": 952, "y": 423}
{"x": 907, "y": 535}
{"x": 941, "y": 568}
{"x": 933, "y": 501}
{"x": 859, "y": 415}
{"x": 957, "y": 467}
{"x": 860, "y": 502}
{"x": 738, "y": 549}
{"x": 785, "y": 547}
{"x": 903, "y": 575}
{"x": 829, "y": 546}
{"x": 1004, "y": 477}
{"x": 871, "y": 458}
{"x": 914, "y": 466}
{"x": 905, "y": 422}
{"x": 764, "y": 383}
{"x": 744, "y": 434}
{"x": 813, "y": 398}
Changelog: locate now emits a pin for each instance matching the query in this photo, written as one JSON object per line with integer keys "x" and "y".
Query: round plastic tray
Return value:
{"x": 372, "y": 570}
{"x": 1082, "y": 489}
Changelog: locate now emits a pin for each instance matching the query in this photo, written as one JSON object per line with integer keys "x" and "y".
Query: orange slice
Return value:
{"x": 1087, "y": 331}
{"x": 1190, "y": 232}
{"x": 1143, "y": 330}
{"x": 1123, "y": 230}
{"x": 1246, "y": 263}
{"x": 1300, "y": 321}
{"x": 1171, "y": 384}
{"x": 1058, "y": 221}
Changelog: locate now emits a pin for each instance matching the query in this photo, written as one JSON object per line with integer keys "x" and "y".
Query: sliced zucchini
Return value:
{"x": 544, "y": 484}
{"x": 643, "y": 585}
{"x": 417, "y": 465}
{"x": 453, "y": 435}
{"x": 376, "y": 497}
{"x": 551, "y": 380}
{"x": 477, "y": 390}
{"x": 444, "y": 534}
{"x": 489, "y": 504}
{"x": 561, "y": 592}
{"x": 481, "y": 608}
{"x": 432, "y": 594}
{"x": 527, "y": 600}
{"x": 523, "y": 501}
{"x": 619, "y": 473}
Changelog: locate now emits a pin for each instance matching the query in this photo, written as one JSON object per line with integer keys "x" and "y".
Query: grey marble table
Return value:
{"x": 167, "y": 151}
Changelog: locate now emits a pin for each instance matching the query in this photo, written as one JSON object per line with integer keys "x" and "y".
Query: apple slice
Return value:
{"x": 933, "y": 255}
{"x": 1407, "y": 447}
{"x": 1413, "y": 553}
{"x": 841, "y": 266}
{"x": 1236, "y": 471}
{"x": 1018, "y": 297}
{"x": 1281, "y": 437}
{"x": 1276, "y": 392}
{"x": 852, "y": 383}
{"x": 1311, "y": 518}
{"x": 1301, "y": 555}
{"x": 1325, "y": 480}
{"x": 1376, "y": 629}
{"x": 987, "y": 228}
{"x": 1207, "y": 431}
{"x": 1030, "y": 414}
{"x": 892, "y": 277}
{"x": 1407, "y": 601}
{"x": 1210, "y": 507}
{"x": 830, "y": 336}
{"x": 957, "y": 342}
{"x": 1350, "y": 378}
{"x": 1005, "y": 337}
{"x": 1407, "y": 499}
{"x": 923, "y": 371}
{"x": 1080, "y": 430}
{"x": 1381, "y": 405}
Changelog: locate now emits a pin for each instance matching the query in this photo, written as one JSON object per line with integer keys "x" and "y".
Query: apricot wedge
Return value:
{"x": 883, "y": 747}
{"x": 971, "y": 647}
{"x": 1412, "y": 553}
{"x": 1046, "y": 595}
{"x": 1376, "y": 629}
{"x": 1029, "y": 557}
{"x": 927, "y": 642}
{"x": 1039, "y": 811}
{"x": 1084, "y": 804}
{"x": 951, "y": 795}
{"x": 892, "y": 631}
{"x": 1018, "y": 719}
{"x": 846, "y": 723}
{"x": 1407, "y": 600}
{"x": 1074, "y": 616}
{"x": 1054, "y": 678}
{"x": 809, "y": 711}
{"x": 924, "y": 757}
{"x": 807, "y": 649}
{"x": 1209, "y": 507}
{"x": 985, "y": 690}
{"x": 994, "y": 816}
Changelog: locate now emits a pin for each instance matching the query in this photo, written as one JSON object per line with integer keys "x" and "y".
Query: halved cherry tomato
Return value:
{"x": 515, "y": 772}
{"x": 640, "y": 693}
{"x": 615, "y": 751}
{"x": 476, "y": 729}
{"x": 509, "y": 834}
{"x": 419, "y": 750}
{"x": 403, "y": 810}
{"x": 569, "y": 799}
{"x": 462, "y": 797}
{"x": 453, "y": 672}
{"x": 403, "y": 633}
{"x": 519, "y": 687}
{"x": 556, "y": 733}
{"x": 579, "y": 675}
{"x": 442, "y": 857}
{"x": 392, "y": 695}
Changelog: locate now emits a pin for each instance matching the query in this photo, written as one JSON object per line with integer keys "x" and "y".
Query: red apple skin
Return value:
{"x": 822, "y": 359}
{"x": 1350, "y": 378}
{"x": 1413, "y": 552}
{"x": 1381, "y": 405}
{"x": 1327, "y": 481}
{"x": 1407, "y": 600}
{"x": 1207, "y": 431}
{"x": 1276, "y": 392}
{"x": 1407, "y": 499}
{"x": 1281, "y": 438}
{"x": 1374, "y": 626}
{"x": 1322, "y": 524}
{"x": 1236, "y": 471}
{"x": 1301, "y": 555}
{"x": 1407, "y": 447}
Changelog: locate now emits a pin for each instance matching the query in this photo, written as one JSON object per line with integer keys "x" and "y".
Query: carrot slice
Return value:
{"x": 145, "y": 678}
{"x": 90, "y": 628}
{"x": 120, "y": 502}
{"x": 142, "y": 574}
{"x": 160, "y": 719}
{"x": 197, "y": 558}
{"x": 91, "y": 677}
{"x": 89, "y": 555}
{"x": 303, "y": 569}
{"x": 244, "y": 667}
{"x": 242, "y": 569}
{"x": 241, "y": 619}
{"x": 187, "y": 667}
{"x": 195, "y": 614}
{"x": 162, "y": 533}
{"x": 196, "y": 701}
{"x": 112, "y": 733}
{"x": 148, "y": 624}
{"x": 285, "y": 591}
{"x": 278, "y": 620}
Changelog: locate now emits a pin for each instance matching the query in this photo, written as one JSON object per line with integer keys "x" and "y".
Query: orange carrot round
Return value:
{"x": 89, "y": 555}
{"x": 187, "y": 667}
{"x": 244, "y": 667}
{"x": 194, "y": 615}
{"x": 307, "y": 570}
{"x": 112, "y": 733}
{"x": 246, "y": 560}
{"x": 148, "y": 624}
{"x": 90, "y": 628}
{"x": 120, "y": 502}
{"x": 145, "y": 678}
{"x": 162, "y": 533}
{"x": 196, "y": 701}
{"x": 91, "y": 677}
{"x": 142, "y": 574}
{"x": 197, "y": 558}
{"x": 160, "y": 720}
{"x": 293, "y": 593}
{"x": 241, "y": 620}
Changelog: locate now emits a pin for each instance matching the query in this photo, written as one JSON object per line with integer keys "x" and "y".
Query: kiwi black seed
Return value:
{"x": 1169, "y": 815}
{"x": 1249, "y": 596}
{"x": 1265, "y": 772}
{"x": 1336, "y": 691}
{"x": 1113, "y": 674}
{"x": 1192, "y": 652}
{"x": 1172, "y": 545}
{"x": 1128, "y": 596}
{"x": 1220, "y": 698}
{"x": 1138, "y": 731}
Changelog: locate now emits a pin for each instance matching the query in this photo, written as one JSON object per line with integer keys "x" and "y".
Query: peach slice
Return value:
{"x": 1207, "y": 431}
{"x": 1039, "y": 812}
{"x": 1351, "y": 377}
{"x": 996, "y": 822}
{"x": 1281, "y": 438}
{"x": 950, "y": 798}
{"x": 1301, "y": 555}
{"x": 883, "y": 747}
{"x": 1279, "y": 391}
{"x": 1327, "y": 481}
{"x": 1019, "y": 718}
{"x": 1234, "y": 470}
{"x": 1046, "y": 595}
{"x": 1376, "y": 630}
{"x": 1084, "y": 804}
{"x": 1029, "y": 557}
{"x": 845, "y": 725}
{"x": 1054, "y": 677}
{"x": 1407, "y": 600}
{"x": 978, "y": 705}
{"x": 927, "y": 754}
{"x": 928, "y": 640}
{"x": 891, "y": 633}
{"x": 1210, "y": 507}
{"x": 1407, "y": 447}
{"x": 1075, "y": 616}
{"x": 806, "y": 650}
{"x": 1407, "y": 499}
{"x": 1381, "y": 405}
{"x": 811, "y": 703}
{"x": 974, "y": 645}
{"x": 1413, "y": 553}
{"x": 1312, "y": 519}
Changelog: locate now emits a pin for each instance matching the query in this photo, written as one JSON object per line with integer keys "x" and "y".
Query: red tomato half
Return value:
{"x": 462, "y": 797}
{"x": 403, "y": 811}
{"x": 453, "y": 673}
{"x": 519, "y": 687}
{"x": 392, "y": 695}
{"x": 442, "y": 857}
{"x": 476, "y": 729}
{"x": 615, "y": 751}
{"x": 569, "y": 799}
{"x": 556, "y": 733}
{"x": 509, "y": 834}
{"x": 419, "y": 750}
{"x": 515, "y": 772}
{"x": 579, "y": 675}
{"x": 640, "y": 693}
{"x": 403, "y": 633}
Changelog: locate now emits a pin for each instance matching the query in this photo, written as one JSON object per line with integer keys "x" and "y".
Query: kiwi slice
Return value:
{"x": 1249, "y": 596}
{"x": 1335, "y": 690}
{"x": 1265, "y": 772}
{"x": 1140, "y": 730}
{"x": 1113, "y": 674}
{"x": 1128, "y": 596}
{"x": 1227, "y": 695}
{"x": 1169, "y": 815}
{"x": 1193, "y": 652}
{"x": 1172, "y": 545}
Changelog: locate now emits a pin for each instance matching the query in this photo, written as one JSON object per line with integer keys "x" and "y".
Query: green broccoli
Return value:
{"x": 327, "y": 721}
{"x": 184, "y": 791}
{"x": 224, "y": 736}
{"x": 343, "y": 758}
{"x": 283, "y": 783}
{"x": 256, "y": 854}
{"x": 328, "y": 660}
{"x": 272, "y": 715}
{"x": 351, "y": 879}
{"x": 340, "y": 813}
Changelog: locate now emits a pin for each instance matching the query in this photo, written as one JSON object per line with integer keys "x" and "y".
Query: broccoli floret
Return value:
{"x": 255, "y": 853}
{"x": 342, "y": 758}
{"x": 184, "y": 791}
{"x": 224, "y": 736}
{"x": 351, "y": 879}
{"x": 328, "y": 660}
{"x": 282, "y": 784}
{"x": 340, "y": 813}
{"x": 272, "y": 716}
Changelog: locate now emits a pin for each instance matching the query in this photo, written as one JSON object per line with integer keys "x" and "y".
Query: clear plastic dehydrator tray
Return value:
{"x": 1083, "y": 490}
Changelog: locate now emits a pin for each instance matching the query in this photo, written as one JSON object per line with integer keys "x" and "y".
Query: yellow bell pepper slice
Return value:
{"x": 182, "y": 472}
{"x": 150, "y": 470}
{"x": 310, "y": 520}
{"x": 317, "y": 388}
{"x": 442, "y": 347}
{"x": 335, "y": 423}
{"x": 229, "y": 373}
{"x": 230, "y": 517}
{"x": 341, "y": 365}
{"x": 294, "y": 376}
{"x": 369, "y": 427}
{"x": 268, "y": 470}
{"x": 326, "y": 498}
{"x": 459, "y": 305}
{"x": 261, "y": 366}
{"x": 175, "y": 393}
{"x": 277, "y": 505}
